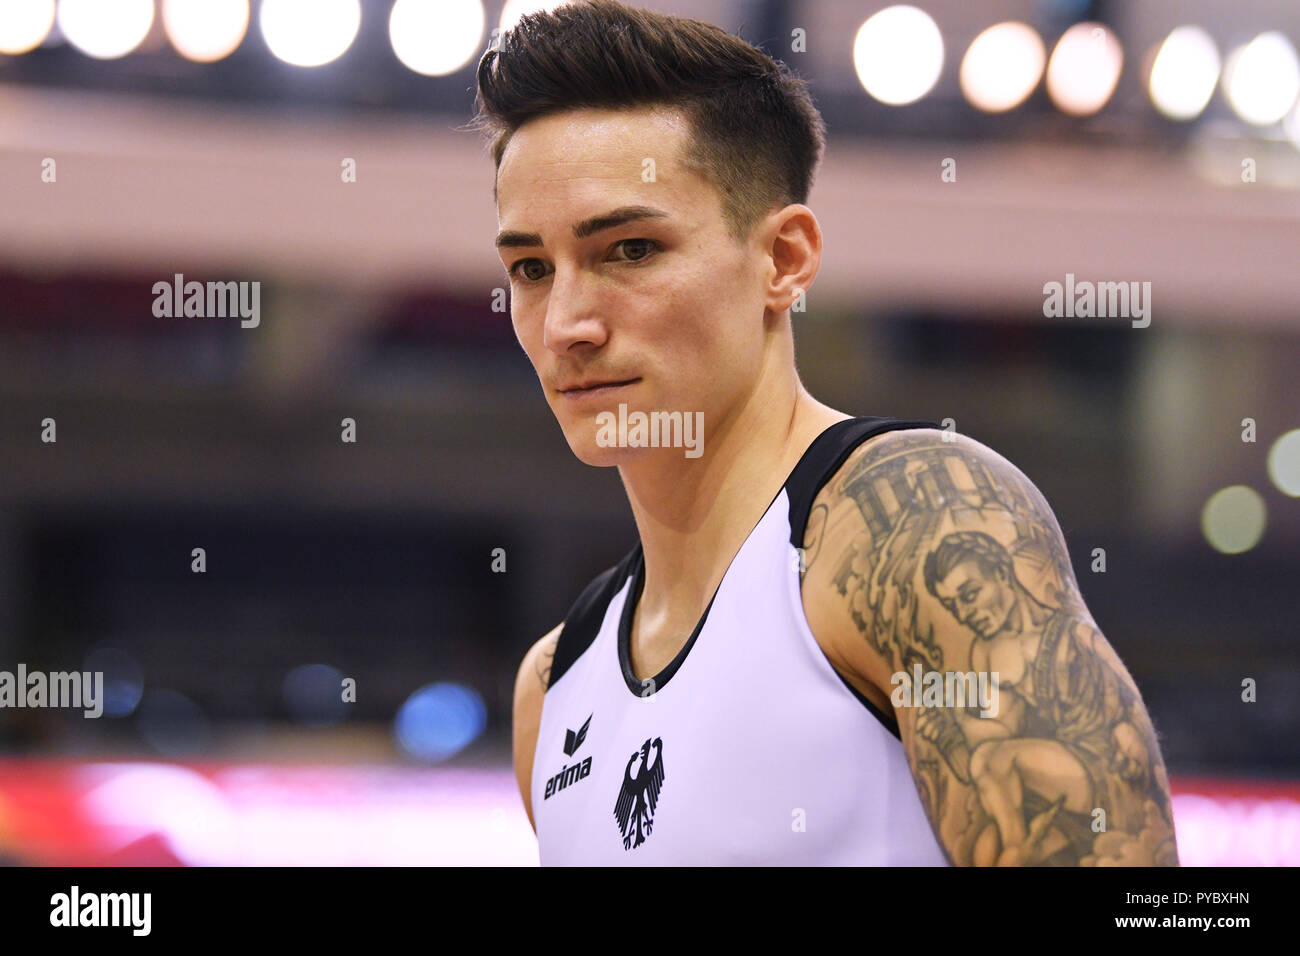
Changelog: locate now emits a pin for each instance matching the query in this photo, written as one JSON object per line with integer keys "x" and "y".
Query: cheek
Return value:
{"x": 528, "y": 332}
{"x": 707, "y": 322}
{"x": 680, "y": 324}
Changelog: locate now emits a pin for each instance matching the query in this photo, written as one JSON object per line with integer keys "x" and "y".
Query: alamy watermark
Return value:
{"x": 75, "y": 908}
{"x": 1103, "y": 300}
{"x": 946, "y": 689}
{"x": 651, "y": 430}
{"x": 58, "y": 689}
{"x": 212, "y": 300}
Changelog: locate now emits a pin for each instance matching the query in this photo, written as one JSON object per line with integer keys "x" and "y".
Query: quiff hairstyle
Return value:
{"x": 755, "y": 134}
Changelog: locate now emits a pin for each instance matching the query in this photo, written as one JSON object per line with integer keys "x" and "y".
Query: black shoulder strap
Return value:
{"x": 582, "y": 623}
{"x": 823, "y": 458}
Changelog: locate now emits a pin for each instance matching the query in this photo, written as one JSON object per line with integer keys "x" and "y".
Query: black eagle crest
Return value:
{"x": 635, "y": 808}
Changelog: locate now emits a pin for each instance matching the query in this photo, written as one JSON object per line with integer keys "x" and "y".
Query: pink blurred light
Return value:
{"x": 254, "y": 815}
{"x": 148, "y": 814}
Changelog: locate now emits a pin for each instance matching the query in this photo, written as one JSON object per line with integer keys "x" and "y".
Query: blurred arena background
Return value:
{"x": 1150, "y": 141}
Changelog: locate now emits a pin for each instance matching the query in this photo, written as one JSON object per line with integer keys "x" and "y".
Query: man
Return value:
{"x": 727, "y": 694}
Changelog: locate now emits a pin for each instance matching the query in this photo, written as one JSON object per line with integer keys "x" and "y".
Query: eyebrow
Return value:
{"x": 588, "y": 227}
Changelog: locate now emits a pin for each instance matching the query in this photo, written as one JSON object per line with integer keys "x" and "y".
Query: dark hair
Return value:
{"x": 960, "y": 546}
{"x": 755, "y": 133}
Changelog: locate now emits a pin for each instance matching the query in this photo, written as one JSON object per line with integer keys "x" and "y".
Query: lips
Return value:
{"x": 595, "y": 386}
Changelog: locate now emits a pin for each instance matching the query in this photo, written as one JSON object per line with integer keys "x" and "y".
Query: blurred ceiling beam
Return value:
{"x": 153, "y": 184}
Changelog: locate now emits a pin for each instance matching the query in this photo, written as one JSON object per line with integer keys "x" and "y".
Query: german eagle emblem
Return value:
{"x": 635, "y": 808}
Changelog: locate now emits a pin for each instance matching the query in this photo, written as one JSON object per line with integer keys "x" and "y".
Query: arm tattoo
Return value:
{"x": 961, "y": 567}
{"x": 544, "y": 661}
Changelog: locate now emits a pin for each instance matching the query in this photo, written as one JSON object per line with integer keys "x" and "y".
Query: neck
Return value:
{"x": 693, "y": 515}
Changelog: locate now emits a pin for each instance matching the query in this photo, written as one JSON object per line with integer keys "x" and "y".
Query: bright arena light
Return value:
{"x": 105, "y": 29}
{"x": 1184, "y": 73}
{"x": 1262, "y": 79}
{"x": 205, "y": 30}
{"x": 1284, "y": 463}
{"x": 436, "y": 37}
{"x": 1084, "y": 69}
{"x": 1002, "y": 67}
{"x": 898, "y": 55}
{"x": 1233, "y": 519}
{"x": 24, "y": 24}
{"x": 309, "y": 32}
{"x": 514, "y": 10}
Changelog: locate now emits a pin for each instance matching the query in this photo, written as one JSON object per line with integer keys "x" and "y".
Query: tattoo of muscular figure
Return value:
{"x": 943, "y": 554}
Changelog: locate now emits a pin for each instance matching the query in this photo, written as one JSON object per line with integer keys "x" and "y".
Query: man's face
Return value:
{"x": 976, "y": 599}
{"x": 666, "y": 302}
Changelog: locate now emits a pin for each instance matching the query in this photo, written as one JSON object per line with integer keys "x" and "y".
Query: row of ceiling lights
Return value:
{"x": 898, "y": 53}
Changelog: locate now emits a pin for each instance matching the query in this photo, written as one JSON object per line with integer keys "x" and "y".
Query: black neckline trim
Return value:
{"x": 655, "y": 684}
{"x": 651, "y": 685}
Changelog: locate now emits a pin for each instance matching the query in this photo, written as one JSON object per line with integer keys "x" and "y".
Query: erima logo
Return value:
{"x": 569, "y": 775}
{"x": 573, "y": 741}
{"x": 634, "y": 811}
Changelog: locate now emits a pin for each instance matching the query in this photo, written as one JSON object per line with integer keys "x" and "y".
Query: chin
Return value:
{"x": 580, "y": 432}
{"x": 582, "y": 442}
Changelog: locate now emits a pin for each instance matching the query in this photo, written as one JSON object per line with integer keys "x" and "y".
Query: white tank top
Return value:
{"x": 748, "y": 748}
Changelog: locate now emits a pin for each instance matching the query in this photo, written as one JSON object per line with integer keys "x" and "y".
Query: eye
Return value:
{"x": 517, "y": 270}
{"x": 648, "y": 245}
{"x": 635, "y": 250}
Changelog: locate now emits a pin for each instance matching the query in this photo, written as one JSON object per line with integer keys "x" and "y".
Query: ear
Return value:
{"x": 792, "y": 241}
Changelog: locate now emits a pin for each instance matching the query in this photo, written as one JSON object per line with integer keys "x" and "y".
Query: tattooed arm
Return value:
{"x": 530, "y": 688}
{"x": 941, "y": 558}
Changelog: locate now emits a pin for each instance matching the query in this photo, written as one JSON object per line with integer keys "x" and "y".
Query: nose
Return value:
{"x": 573, "y": 314}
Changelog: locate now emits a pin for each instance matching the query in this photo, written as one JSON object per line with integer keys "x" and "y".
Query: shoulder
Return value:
{"x": 931, "y": 468}
{"x": 535, "y": 669}
{"x": 879, "y": 517}
{"x": 532, "y": 680}
{"x": 530, "y": 690}
{"x": 917, "y": 443}
{"x": 897, "y": 489}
